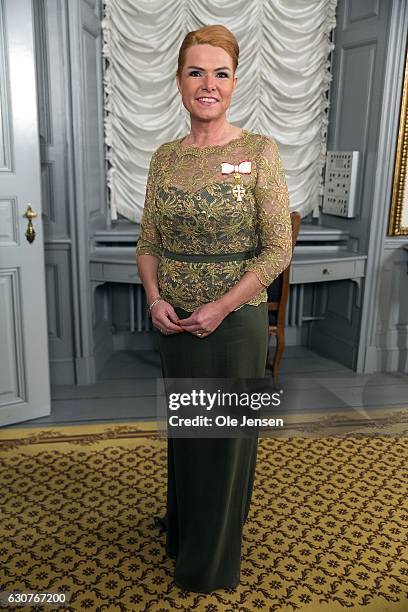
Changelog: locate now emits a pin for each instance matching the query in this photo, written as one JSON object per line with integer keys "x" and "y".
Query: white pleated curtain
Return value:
{"x": 282, "y": 91}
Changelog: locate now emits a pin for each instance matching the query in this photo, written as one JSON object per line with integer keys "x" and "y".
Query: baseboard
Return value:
{"x": 62, "y": 372}
{"x": 388, "y": 359}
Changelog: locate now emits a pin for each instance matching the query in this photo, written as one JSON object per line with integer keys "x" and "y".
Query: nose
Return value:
{"x": 209, "y": 82}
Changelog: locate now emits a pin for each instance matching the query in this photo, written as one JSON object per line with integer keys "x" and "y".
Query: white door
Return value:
{"x": 24, "y": 368}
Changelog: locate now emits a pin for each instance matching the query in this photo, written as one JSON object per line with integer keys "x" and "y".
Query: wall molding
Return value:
{"x": 394, "y": 73}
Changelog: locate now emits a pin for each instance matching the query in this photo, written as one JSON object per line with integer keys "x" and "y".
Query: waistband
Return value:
{"x": 208, "y": 258}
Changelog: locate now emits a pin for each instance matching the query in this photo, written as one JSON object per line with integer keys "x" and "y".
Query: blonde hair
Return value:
{"x": 215, "y": 35}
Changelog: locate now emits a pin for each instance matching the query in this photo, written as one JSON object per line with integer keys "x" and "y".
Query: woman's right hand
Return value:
{"x": 165, "y": 319}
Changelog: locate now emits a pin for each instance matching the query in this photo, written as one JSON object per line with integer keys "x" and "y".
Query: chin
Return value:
{"x": 209, "y": 113}
{"x": 206, "y": 118}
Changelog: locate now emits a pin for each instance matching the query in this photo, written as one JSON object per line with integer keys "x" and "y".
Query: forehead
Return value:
{"x": 208, "y": 57}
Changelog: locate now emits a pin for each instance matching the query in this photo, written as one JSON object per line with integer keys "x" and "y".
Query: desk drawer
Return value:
{"x": 115, "y": 272}
{"x": 121, "y": 273}
{"x": 318, "y": 272}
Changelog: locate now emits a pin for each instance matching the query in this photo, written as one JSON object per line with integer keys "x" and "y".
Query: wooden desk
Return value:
{"x": 320, "y": 256}
{"x": 113, "y": 266}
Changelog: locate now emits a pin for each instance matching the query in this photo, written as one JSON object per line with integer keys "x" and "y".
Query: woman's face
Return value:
{"x": 207, "y": 82}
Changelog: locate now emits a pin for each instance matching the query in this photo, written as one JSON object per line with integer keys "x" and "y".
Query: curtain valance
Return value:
{"x": 283, "y": 81}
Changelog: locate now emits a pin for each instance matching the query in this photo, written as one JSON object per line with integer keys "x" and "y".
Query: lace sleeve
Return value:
{"x": 274, "y": 223}
{"x": 149, "y": 242}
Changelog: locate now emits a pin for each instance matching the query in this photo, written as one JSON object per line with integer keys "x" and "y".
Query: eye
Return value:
{"x": 223, "y": 74}
{"x": 194, "y": 73}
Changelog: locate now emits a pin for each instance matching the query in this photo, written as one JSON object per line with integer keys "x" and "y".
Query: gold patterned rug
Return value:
{"x": 327, "y": 529}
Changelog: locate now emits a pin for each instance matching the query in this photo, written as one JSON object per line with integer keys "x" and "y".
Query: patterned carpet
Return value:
{"x": 327, "y": 529}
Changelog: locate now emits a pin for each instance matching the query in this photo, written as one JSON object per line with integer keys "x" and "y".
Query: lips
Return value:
{"x": 207, "y": 100}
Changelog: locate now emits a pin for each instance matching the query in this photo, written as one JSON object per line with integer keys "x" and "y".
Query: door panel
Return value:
{"x": 24, "y": 367}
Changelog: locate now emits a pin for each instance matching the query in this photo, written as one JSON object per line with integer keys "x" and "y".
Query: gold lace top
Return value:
{"x": 190, "y": 208}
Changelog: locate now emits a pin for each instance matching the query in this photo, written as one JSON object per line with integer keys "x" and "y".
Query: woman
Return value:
{"x": 213, "y": 198}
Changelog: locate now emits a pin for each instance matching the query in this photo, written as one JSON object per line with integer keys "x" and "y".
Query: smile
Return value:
{"x": 207, "y": 101}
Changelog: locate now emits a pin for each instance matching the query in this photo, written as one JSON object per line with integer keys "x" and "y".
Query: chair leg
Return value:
{"x": 268, "y": 358}
{"x": 268, "y": 365}
{"x": 280, "y": 345}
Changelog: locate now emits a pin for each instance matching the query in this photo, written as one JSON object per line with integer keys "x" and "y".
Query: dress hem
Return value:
{"x": 206, "y": 591}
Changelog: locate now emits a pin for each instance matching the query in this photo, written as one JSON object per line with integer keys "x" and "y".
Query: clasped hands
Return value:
{"x": 202, "y": 322}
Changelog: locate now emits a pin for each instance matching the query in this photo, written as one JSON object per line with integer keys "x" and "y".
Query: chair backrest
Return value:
{"x": 278, "y": 290}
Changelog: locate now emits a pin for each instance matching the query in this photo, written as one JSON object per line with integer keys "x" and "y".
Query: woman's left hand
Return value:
{"x": 204, "y": 320}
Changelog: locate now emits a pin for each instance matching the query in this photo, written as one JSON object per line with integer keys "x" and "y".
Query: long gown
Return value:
{"x": 206, "y": 237}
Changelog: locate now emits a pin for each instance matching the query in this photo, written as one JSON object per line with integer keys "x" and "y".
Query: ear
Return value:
{"x": 178, "y": 82}
{"x": 235, "y": 81}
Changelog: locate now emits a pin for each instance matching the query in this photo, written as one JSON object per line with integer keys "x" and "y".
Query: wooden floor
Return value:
{"x": 127, "y": 389}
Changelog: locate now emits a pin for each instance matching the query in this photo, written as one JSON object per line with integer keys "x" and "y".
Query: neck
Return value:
{"x": 208, "y": 132}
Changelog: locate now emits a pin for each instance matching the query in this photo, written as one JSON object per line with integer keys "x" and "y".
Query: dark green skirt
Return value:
{"x": 210, "y": 480}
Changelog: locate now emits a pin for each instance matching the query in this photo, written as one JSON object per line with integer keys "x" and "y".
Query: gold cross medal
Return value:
{"x": 244, "y": 167}
{"x": 238, "y": 190}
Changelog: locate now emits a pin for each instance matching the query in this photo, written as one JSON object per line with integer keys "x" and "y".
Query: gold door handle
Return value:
{"x": 30, "y": 214}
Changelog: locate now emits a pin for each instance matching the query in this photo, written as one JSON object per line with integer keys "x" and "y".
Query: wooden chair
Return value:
{"x": 278, "y": 293}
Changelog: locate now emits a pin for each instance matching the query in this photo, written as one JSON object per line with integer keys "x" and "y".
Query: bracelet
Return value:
{"x": 153, "y": 303}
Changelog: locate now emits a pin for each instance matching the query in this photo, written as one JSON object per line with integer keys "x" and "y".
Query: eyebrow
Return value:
{"x": 198, "y": 68}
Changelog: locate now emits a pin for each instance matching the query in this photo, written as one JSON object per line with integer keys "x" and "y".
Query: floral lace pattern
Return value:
{"x": 190, "y": 208}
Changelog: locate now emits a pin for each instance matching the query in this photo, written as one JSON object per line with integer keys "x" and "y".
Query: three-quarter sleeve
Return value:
{"x": 149, "y": 241}
{"x": 274, "y": 223}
